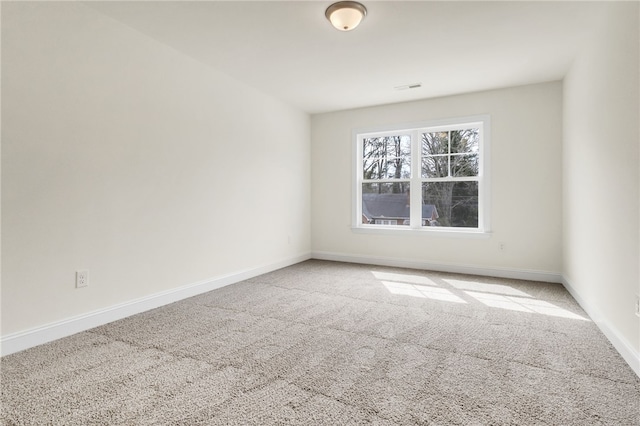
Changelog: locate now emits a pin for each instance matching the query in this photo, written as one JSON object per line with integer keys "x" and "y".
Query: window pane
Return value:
{"x": 405, "y": 144}
{"x": 386, "y": 157}
{"x": 464, "y": 141}
{"x": 399, "y": 168}
{"x": 387, "y": 146}
{"x": 374, "y": 168}
{"x": 386, "y": 168}
{"x": 385, "y": 203}
{"x": 433, "y": 167}
{"x": 464, "y": 165}
{"x": 435, "y": 143}
{"x": 451, "y": 204}
{"x": 372, "y": 147}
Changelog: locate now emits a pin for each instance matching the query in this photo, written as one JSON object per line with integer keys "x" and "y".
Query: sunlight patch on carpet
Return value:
{"x": 486, "y": 288}
{"x": 523, "y": 304}
{"x": 434, "y": 293}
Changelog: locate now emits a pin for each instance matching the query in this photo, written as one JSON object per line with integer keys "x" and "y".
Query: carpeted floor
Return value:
{"x": 334, "y": 344}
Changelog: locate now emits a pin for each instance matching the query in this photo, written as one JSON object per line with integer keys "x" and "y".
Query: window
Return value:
{"x": 431, "y": 177}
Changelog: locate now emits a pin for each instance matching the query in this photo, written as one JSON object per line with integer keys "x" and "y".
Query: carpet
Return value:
{"x": 327, "y": 343}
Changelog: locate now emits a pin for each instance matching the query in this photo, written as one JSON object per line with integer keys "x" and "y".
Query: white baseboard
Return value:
{"x": 19, "y": 341}
{"x": 628, "y": 353}
{"x": 520, "y": 274}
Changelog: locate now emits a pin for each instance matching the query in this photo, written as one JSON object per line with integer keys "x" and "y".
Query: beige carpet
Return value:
{"x": 334, "y": 344}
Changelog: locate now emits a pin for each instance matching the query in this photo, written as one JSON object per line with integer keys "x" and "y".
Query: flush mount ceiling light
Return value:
{"x": 345, "y": 15}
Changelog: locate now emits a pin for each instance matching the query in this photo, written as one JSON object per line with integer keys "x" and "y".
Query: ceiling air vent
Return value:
{"x": 408, "y": 86}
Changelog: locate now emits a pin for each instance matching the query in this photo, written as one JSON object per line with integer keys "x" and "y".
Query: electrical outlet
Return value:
{"x": 502, "y": 246}
{"x": 82, "y": 278}
{"x": 638, "y": 305}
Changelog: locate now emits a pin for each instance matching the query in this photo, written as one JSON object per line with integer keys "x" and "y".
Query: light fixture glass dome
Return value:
{"x": 346, "y": 15}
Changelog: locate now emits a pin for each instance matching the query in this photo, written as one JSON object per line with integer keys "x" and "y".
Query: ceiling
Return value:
{"x": 289, "y": 50}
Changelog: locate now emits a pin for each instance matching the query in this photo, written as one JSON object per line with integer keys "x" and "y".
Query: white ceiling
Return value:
{"x": 289, "y": 50}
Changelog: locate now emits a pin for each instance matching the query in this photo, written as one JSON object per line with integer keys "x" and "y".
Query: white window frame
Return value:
{"x": 415, "y": 129}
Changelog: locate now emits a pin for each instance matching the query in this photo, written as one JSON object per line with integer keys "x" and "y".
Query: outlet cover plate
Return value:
{"x": 82, "y": 278}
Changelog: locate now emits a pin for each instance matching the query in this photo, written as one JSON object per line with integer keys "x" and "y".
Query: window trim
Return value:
{"x": 484, "y": 179}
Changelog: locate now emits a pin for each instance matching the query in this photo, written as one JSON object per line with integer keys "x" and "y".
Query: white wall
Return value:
{"x": 601, "y": 179}
{"x": 127, "y": 158}
{"x": 526, "y": 131}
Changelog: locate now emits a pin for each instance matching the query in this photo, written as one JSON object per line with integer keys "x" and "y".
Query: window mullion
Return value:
{"x": 449, "y": 154}
{"x": 358, "y": 178}
{"x": 415, "y": 220}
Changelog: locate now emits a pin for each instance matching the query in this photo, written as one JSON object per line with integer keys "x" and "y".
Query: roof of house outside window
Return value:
{"x": 392, "y": 206}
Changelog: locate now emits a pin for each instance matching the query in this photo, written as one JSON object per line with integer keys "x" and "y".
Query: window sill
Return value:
{"x": 432, "y": 232}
